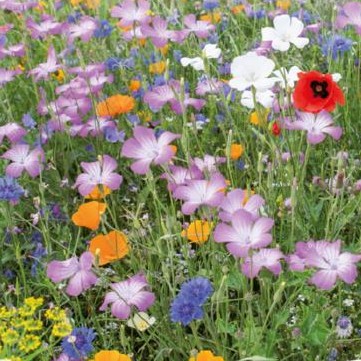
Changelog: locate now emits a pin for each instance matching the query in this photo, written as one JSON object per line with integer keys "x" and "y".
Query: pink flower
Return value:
{"x": 84, "y": 29}
{"x": 350, "y": 14}
{"x": 266, "y": 257}
{"x": 238, "y": 199}
{"x": 179, "y": 175}
{"x": 23, "y": 159}
{"x": 203, "y": 192}
{"x": 48, "y": 26}
{"x": 77, "y": 271}
{"x": 43, "y": 70}
{"x": 7, "y": 76}
{"x": 208, "y": 163}
{"x": 99, "y": 172}
{"x": 328, "y": 259}
{"x": 132, "y": 292}
{"x": 200, "y": 28}
{"x": 12, "y": 131}
{"x": 145, "y": 148}
{"x": 158, "y": 32}
{"x": 130, "y": 12}
{"x": 317, "y": 126}
{"x": 245, "y": 233}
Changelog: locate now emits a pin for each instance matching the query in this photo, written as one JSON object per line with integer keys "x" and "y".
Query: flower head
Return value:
{"x": 344, "y": 327}
{"x": 141, "y": 321}
{"x": 77, "y": 271}
{"x": 88, "y": 215}
{"x": 198, "y": 231}
{"x": 115, "y": 105}
{"x": 79, "y": 343}
{"x": 316, "y": 91}
{"x": 350, "y": 14}
{"x": 43, "y": 70}
{"x": 206, "y": 356}
{"x": 132, "y": 292}
{"x": 10, "y": 190}
{"x": 110, "y": 356}
{"x": 197, "y": 289}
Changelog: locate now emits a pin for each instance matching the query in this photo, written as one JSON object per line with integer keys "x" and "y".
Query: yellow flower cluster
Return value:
{"x": 20, "y": 327}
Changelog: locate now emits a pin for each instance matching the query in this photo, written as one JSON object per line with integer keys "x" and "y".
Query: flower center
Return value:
{"x": 320, "y": 89}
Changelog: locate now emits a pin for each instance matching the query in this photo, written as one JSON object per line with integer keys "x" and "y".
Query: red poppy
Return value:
{"x": 276, "y": 129}
{"x": 316, "y": 91}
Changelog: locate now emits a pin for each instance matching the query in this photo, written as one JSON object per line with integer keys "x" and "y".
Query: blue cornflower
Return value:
{"x": 185, "y": 311}
{"x": 134, "y": 119}
{"x": 114, "y": 63}
{"x": 79, "y": 343}
{"x": 28, "y": 121}
{"x": 10, "y": 190}
{"x": 332, "y": 356}
{"x": 337, "y": 45}
{"x": 104, "y": 29}
{"x": 73, "y": 18}
{"x": 197, "y": 289}
{"x": 210, "y": 5}
{"x": 112, "y": 135}
{"x": 344, "y": 327}
{"x": 304, "y": 16}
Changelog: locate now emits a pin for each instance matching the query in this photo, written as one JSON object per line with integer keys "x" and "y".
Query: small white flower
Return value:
{"x": 286, "y": 30}
{"x": 287, "y": 78}
{"x": 265, "y": 98}
{"x": 196, "y": 63}
{"x": 252, "y": 70}
{"x": 141, "y": 321}
{"x": 336, "y": 77}
{"x": 211, "y": 51}
{"x": 348, "y": 302}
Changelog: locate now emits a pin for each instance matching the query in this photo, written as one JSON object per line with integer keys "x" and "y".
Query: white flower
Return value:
{"x": 336, "y": 77}
{"x": 141, "y": 321}
{"x": 252, "y": 70}
{"x": 286, "y": 30}
{"x": 287, "y": 78}
{"x": 211, "y": 51}
{"x": 265, "y": 98}
{"x": 196, "y": 63}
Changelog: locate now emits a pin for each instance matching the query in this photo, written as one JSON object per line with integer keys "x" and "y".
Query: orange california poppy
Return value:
{"x": 88, "y": 215}
{"x": 212, "y": 18}
{"x": 111, "y": 356}
{"x": 99, "y": 192}
{"x": 237, "y": 9}
{"x": 198, "y": 231}
{"x": 109, "y": 247}
{"x": 91, "y": 4}
{"x": 236, "y": 151}
{"x": 134, "y": 85}
{"x": 206, "y": 356}
{"x": 115, "y": 105}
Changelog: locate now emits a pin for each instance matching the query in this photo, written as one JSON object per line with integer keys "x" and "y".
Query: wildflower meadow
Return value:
{"x": 180, "y": 180}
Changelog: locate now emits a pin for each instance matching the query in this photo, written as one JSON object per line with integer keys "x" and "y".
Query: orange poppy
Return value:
{"x": 198, "y": 231}
{"x": 212, "y": 18}
{"x": 91, "y": 4}
{"x": 236, "y": 151}
{"x": 237, "y": 9}
{"x": 109, "y": 247}
{"x": 88, "y": 215}
{"x": 99, "y": 192}
{"x": 134, "y": 85}
{"x": 206, "y": 356}
{"x": 111, "y": 356}
{"x": 115, "y": 105}
{"x": 157, "y": 68}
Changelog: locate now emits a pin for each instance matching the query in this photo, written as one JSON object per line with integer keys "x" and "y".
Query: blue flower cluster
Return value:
{"x": 187, "y": 306}
{"x": 10, "y": 190}
{"x": 79, "y": 343}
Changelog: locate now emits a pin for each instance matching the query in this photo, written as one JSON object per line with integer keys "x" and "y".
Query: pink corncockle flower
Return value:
{"x": 13, "y": 131}
{"x": 286, "y": 30}
{"x": 130, "y": 12}
{"x": 79, "y": 273}
{"x": 76, "y": 88}
{"x": 43, "y": 70}
{"x": 24, "y": 159}
{"x": 7, "y": 76}
{"x": 179, "y": 175}
{"x": 47, "y": 26}
{"x": 267, "y": 257}
{"x": 98, "y": 173}
{"x": 196, "y": 193}
{"x": 245, "y": 233}
{"x": 158, "y": 32}
{"x": 93, "y": 127}
{"x": 240, "y": 199}
{"x": 75, "y": 108}
{"x": 84, "y": 29}
{"x": 145, "y": 148}
{"x": 17, "y": 6}
{"x": 132, "y": 292}
{"x": 209, "y": 86}
{"x": 317, "y": 126}
{"x": 17, "y": 50}
{"x": 209, "y": 163}
{"x": 135, "y": 33}
{"x": 88, "y": 70}
{"x": 200, "y": 28}
{"x": 330, "y": 262}
{"x": 350, "y": 14}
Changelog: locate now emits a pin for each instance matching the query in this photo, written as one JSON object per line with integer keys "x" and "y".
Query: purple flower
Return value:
{"x": 10, "y": 190}
{"x": 208, "y": 163}
{"x": 203, "y": 192}
{"x": 197, "y": 289}
{"x": 132, "y": 292}
{"x": 158, "y": 32}
{"x": 266, "y": 257}
{"x": 130, "y": 12}
{"x": 317, "y": 126}
{"x": 7, "y": 76}
{"x": 245, "y": 233}
{"x": 99, "y": 172}
{"x": 239, "y": 199}
{"x": 350, "y": 14}
{"x": 344, "y": 327}
{"x": 184, "y": 310}
{"x": 200, "y": 28}
{"x": 43, "y": 70}
{"x": 179, "y": 175}
{"x": 84, "y": 29}
{"x": 336, "y": 46}
{"x": 48, "y": 26}
{"x": 14, "y": 50}
{"x": 78, "y": 271}
{"x": 145, "y": 148}
{"x": 23, "y": 159}
{"x": 12, "y": 131}
{"x": 79, "y": 343}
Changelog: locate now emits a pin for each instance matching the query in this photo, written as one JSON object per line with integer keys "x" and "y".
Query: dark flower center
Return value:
{"x": 320, "y": 89}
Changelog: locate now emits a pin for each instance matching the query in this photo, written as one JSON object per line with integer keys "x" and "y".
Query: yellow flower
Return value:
{"x": 283, "y": 4}
{"x": 259, "y": 118}
{"x": 198, "y": 231}
{"x": 206, "y": 356}
{"x": 134, "y": 85}
{"x": 141, "y": 321}
{"x": 55, "y": 314}
{"x": 34, "y": 302}
{"x": 32, "y": 325}
{"x": 212, "y": 18}
{"x": 59, "y": 75}
{"x": 61, "y": 329}
{"x": 157, "y": 68}
{"x": 29, "y": 343}
{"x": 9, "y": 337}
{"x": 91, "y": 4}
